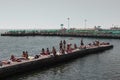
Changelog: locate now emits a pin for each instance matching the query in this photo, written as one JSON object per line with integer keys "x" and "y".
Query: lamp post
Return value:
{"x": 85, "y": 23}
{"x": 68, "y": 22}
{"x": 61, "y": 26}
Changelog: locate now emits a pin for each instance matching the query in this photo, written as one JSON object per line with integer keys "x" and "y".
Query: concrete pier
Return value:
{"x": 46, "y": 61}
{"x": 64, "y": 35}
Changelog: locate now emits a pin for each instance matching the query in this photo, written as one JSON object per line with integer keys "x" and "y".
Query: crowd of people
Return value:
{"x": 64, "y": 48}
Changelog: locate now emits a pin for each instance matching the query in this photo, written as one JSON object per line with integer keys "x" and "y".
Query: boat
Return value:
{"x": 48, "y": 60}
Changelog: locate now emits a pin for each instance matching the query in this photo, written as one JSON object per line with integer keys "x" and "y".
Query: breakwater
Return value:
{"x": 115, "y": 34}
{"x": 66, "y": 35}
{"x": 47, "y": 61}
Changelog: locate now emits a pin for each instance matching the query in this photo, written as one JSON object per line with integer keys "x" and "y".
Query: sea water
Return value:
{"x": 99, "y": 66}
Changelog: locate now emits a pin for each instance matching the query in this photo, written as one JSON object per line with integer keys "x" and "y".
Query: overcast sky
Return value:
{"x": 49, "y": 14}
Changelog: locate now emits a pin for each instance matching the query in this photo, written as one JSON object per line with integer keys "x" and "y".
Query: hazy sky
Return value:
{"x": 43, "y": 14}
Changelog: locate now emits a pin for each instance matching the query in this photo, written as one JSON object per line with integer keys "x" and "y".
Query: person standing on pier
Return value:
{"x": 60, "y": 44}
{"x": 62, "y": 51}
{"x": 64, "y": 44}
{"x": 54, "y": 51}
{"x": 82, "y": 42}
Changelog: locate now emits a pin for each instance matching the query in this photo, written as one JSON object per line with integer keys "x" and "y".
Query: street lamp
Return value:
{"x": 85, "y": 23}
{"x": 68, "y": 22}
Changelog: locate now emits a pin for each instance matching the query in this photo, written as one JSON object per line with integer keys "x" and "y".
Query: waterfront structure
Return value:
{"x": 40, "y": 62}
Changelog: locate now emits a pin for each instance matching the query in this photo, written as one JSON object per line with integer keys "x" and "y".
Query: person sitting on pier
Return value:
{"x": 90, "y": 45}
{"x": 12, "y": 58}
{"x": 69, "y": 50}
{"x": 94, "y": 44}
{"x": 47, "y": 51}
{"x": 4, "y": 62}
{"x": 75, "y": 46}
{"x": 103, "y": 43}
{"x": 25, "y": 55}
{"x": 62, "y": 51}
{"x": 97, "y": 43}
{"x": 54, "y": 51}
{"x": 107, "y": 43}
{"x": 36, "y": 56}
{"x": 43, "y": 52}
{"x": 1, "y": 63}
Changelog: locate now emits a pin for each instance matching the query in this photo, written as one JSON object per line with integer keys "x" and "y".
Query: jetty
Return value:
{"x": 48, "y": 60}
{"x": 92, "y": 33}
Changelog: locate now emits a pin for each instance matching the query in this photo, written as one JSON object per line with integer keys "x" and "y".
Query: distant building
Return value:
{"x": 97, "y": 28}
{"x": 115, "y": 28}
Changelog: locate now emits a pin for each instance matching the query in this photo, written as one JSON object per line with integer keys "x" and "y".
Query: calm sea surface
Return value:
{"x": 102, "y": 66}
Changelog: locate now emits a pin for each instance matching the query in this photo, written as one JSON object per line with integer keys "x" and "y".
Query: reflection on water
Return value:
{"x": 101, "y": 66}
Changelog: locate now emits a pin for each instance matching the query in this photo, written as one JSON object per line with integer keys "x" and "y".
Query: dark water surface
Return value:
{"x": 102, "y": 66}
